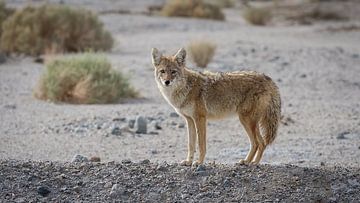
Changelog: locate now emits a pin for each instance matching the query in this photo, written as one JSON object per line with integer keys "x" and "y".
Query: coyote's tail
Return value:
{"x": 271, "y": 119}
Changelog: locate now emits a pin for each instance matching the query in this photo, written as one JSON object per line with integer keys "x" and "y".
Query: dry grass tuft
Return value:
{"x": 83, "y": 79}
{"x": 201, "y": 52}
{"x": 33, "y": 30}
{"x": 222, "y": 3}
{"x": 257, "y": 16}
{"x": 192, "y": 8}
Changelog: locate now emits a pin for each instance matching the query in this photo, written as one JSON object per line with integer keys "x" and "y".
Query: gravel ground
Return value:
{"x": 316, "y": 69}
{"x": 31, "y": 181}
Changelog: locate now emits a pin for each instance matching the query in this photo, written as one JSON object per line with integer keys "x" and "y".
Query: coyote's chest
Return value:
{"x": 177, "y": 98}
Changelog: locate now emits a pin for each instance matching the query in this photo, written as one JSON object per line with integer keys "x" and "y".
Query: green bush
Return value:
{"x": 192, "y": 8}
{"x": 33, "y": 31}
{"x": 83, "y": 79}
{"x": 257, "y": 16}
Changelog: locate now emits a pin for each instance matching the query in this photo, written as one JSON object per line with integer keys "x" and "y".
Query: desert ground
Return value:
{"x": 316, "y": 67}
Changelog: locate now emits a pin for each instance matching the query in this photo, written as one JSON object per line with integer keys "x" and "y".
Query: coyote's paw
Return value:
{"x": 185, "y": 163}
{"x": 243, "y": 162}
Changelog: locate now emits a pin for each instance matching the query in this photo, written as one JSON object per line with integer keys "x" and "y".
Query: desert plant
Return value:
{"x": 86, "y": 78}
{"x": 221, "y": 3}
{"x": 201, "y": 52}
{"x": 4, "y": 13}
{"x": 257, "y": 16}
{"x": 33, "y": 30}
{"x": 192, "y": 8}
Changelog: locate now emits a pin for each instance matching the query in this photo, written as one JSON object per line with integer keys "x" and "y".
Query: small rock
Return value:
{"x": 355, "y": 55}
{"x": 116, "y": 131}
{"x": 126, "y": 161}
{"x": 303, "y": 75}
{"x": 95, "y": 159}
{"x": 145, "y": 161}
{"x": 154, "y": 151}
{"x": 341, "y": 136}
{"x": 173, "y": 123}
{"x": 119, "y": 119}
{"x": 181, "y": 125}
{"x": 77, "y": 189}
{"x": 153, "y": 133}
{"x": 174, "y": 115}
{"x": 116, "y": 191}
{"x": 157, "y": 125}
{"x": 43, "y": 191}
{"x": 322, "y": 163}
{"x": 79, "y": 158}
{"x": 131, "y": 123}
{"x": 141, "y": 125}
{"x": 10, "y": 106}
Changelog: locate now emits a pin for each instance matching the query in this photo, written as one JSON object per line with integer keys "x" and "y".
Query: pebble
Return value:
{"x": 10, "y": 106}
{"x": 116, "y": 131}
{"x": 141, "y": 125}
{"x": 181, "y": 125}
{"x": 43, "y": 191}
{"x": 174, "y": 115}
{"x": 116, "y": 191}
{"x": 95, "y": 159}
{"x": 341, "y": 136}
{"x": 145, "y": 161}
{"x": 79, "y": 159}
{"x": 153, "y": 133}
{"x": 157, "y": 125}
{"x": 126, "y": 161}
{"x": 131, "y": 123}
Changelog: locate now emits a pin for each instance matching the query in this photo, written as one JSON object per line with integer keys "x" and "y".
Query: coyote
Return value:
{"x": 251, "y": 96}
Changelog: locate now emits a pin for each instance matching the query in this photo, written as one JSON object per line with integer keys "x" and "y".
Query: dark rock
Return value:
{"x": 79, "y": 159}
{"x": 157, "y": 125}
{"x": 341, "y": 135}
{"x": 201, "y": 167}
{"x": 43, "y": 191}
{"x": 126, "y": 161}
{"x": 131, "y": 123}
{"x": 153, "y": 133}
{"x": 181, "y": 125}
{"x": 117, "y": 191}
{"x": 116, "y": 131}
{"x": 145, "y": 161}
{"x": 141, "y": 125}
{"x": 174, "y": 115}
{"x": 303, "y": 75}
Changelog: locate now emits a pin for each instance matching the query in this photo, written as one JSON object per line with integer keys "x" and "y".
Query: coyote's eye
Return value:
{"x": 162, "y": 71}
{"x": 173, "y": 72}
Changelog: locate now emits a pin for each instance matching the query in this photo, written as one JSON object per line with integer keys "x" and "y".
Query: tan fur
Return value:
{"x": 198, "y": 97}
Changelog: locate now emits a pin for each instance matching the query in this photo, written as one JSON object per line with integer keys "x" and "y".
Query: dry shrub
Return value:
{"x": 83, "y": 79}
{"x": 192, "y": 8}
{"x": 221, "y": 3}
{"x": 201, "y": 52}
{"x": 4, "y": 14}
{"x": 257, "y": 16}
{"x": 316, "y": 14}
{"x": 34, "y": 30}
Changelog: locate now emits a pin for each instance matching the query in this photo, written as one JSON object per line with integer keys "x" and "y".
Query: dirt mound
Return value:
{"x": 153, "y": 182}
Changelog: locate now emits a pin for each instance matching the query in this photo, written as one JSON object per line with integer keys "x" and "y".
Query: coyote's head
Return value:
{"x": 169, "y": 70}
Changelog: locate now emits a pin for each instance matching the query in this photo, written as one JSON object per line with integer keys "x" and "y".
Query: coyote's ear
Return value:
{"x": 180, "y": 57}
{"x": 156, "y": 56}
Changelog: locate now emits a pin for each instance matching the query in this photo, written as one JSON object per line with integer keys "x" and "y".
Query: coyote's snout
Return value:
{"x": 251, "y": 96}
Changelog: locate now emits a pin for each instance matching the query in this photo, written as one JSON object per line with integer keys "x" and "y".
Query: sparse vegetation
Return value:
{"x": 257, "y": 16}
{"x": 221, "y": 3}
{"x": 315, "y": 14}
{"x": 201, "y": 52}
{"x": 4, "y": 14}
{"x": 83, "y": 79}
{"x": 192, "y": 8}
{"x": 33, "y": 30}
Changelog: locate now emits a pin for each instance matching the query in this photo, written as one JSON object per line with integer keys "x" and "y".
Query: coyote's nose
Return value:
{"x": 167, "y": 82}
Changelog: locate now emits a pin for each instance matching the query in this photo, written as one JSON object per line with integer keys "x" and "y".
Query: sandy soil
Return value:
{"x": 316, "y": 70}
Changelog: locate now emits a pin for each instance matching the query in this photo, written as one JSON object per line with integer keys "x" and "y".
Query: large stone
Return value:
{"x": 141, "y": 125}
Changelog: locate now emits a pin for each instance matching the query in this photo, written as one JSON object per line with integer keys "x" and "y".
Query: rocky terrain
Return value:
{"x": 314, "y": 158}
{"x": 32, "y": 181}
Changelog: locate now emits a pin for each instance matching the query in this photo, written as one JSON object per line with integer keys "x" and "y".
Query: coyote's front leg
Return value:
{"x": 200, "y": 124}
{"x": 191, "y": 142}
